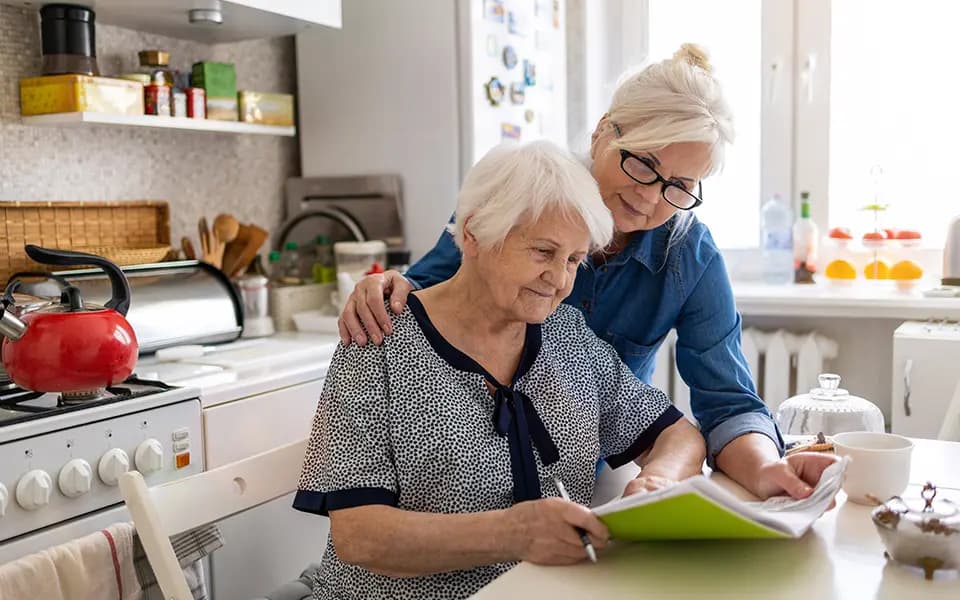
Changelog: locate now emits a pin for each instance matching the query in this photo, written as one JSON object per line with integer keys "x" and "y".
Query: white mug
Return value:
{"x": 879, "y": 467}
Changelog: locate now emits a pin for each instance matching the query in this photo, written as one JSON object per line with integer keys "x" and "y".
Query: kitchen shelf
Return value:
{"x": 76, "y": 119}
{"x": 856, "y": 301}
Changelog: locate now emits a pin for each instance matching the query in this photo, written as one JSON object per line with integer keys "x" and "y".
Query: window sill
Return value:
{"x": 860, "y": 299}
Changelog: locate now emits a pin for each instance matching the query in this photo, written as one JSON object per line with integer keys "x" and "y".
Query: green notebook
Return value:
{"x": 699, "y": 509}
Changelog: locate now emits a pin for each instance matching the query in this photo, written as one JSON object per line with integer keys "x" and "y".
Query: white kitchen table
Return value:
{"x": 841, "y": 557}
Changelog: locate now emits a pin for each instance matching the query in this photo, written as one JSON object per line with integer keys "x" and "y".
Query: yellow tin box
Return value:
{"x": 266, "y": 109}
{"x": 80, "y": 93}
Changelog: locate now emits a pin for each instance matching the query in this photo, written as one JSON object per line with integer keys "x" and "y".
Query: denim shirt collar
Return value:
{"x": 648, "y": 247}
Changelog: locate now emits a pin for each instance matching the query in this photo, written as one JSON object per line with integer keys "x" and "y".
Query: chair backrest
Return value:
{"x": 201, "y": 499}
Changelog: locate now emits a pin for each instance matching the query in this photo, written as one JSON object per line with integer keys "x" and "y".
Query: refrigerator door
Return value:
{"x": 925, "y": 379}
{"x": 517, "y": 49}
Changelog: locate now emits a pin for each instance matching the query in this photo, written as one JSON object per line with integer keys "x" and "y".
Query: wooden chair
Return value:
{"x": 201, "y": 499}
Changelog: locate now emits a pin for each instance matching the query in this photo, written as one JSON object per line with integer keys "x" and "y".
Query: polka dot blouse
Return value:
{"x": 411, "y": 424}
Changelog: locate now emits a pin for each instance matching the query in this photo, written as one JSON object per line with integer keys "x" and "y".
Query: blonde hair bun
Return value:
{"x": 693, "y": 54}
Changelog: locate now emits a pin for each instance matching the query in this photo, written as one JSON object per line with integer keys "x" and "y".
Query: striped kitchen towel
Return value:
{"x": 190, "y": 547}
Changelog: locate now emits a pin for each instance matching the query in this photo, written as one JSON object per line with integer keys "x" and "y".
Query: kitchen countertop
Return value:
{"x": 247, "y": 367}
{"x": 841, "y": 557}
{"x": 859, "y": 300}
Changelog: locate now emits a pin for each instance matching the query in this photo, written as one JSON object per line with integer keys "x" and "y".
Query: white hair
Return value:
{"x": 516, "y": 183}
{"x": 675, "y": 100}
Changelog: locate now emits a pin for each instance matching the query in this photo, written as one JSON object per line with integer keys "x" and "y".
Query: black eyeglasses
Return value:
{"x": 641, "y": 170}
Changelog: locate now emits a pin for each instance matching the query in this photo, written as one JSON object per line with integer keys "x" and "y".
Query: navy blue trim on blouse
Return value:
{"x": 646, "y": 439}
{"x": 321, "y": 503}
{"x": 514, "y": 415}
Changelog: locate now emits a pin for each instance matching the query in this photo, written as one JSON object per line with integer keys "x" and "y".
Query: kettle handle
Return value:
{"x": 119, "y": 287}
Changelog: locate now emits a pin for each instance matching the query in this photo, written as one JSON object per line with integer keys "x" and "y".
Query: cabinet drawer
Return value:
{"x": 236, "y": 430}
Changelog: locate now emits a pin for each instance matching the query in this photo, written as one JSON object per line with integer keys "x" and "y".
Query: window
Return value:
{"x": 851, "y": 100}
{"x": 731, "y": 199}
{"x": 894, "y": 119}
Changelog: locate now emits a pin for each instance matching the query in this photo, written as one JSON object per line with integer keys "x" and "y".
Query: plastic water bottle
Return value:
{"x": 776, "y": 240}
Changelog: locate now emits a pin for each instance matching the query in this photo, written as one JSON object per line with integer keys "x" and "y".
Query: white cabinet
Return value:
{"x": 271, "y": 544}
{"x": 925, "y": 379}
{"x": 242, "y": 19}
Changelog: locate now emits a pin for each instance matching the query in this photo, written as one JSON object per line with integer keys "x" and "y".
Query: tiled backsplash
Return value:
{"x": 199, "y": 173}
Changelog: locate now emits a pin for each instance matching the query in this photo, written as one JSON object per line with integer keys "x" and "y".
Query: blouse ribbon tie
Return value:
{"x": 515, "y": 417}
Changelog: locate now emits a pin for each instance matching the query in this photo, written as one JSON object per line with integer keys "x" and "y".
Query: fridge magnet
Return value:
{"x": 529, "y": 115}
{"x": 509, "y": 57}
{"x": 495, "y": 91}
{"x": 517, "y": 92}
{"x": 516, "y": 24}
{"x": 493, "y": 10}
{"x": 529, "y": 73}
{"x": 493, "y": 46}
{"x": 509, "y": 131}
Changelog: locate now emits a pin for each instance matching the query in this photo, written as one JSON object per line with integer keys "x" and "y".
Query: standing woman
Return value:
{"x": 666, "y": 131}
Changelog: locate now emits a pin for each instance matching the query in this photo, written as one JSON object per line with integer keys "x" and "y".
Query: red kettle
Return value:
{"x": 70, "y": 346}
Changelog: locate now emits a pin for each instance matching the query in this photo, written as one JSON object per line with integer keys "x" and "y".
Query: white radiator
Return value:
{"x": 782, "y": 364}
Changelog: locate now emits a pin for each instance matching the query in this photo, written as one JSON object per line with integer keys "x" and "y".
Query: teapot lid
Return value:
{"x": 927, "y": 512}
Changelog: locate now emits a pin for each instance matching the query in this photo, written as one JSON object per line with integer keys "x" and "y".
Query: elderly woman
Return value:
{"x": 665, "y": 132}
{"x": 435, "y": 453}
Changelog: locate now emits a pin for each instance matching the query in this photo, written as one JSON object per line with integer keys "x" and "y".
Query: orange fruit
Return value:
{"x": 840, "y": 269}
{"x": 906, "y": 269}
{"x": 877, "y": 269}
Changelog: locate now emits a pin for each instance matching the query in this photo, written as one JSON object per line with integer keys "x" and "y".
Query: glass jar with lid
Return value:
{"x": 828, "y": 409}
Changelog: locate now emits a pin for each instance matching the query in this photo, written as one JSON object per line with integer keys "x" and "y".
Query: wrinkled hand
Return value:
{"x": 795, "y": 475}
{"x": 647, "y": 483}
{"x": 364, "y": 308}
{"x": 546, "y": 534}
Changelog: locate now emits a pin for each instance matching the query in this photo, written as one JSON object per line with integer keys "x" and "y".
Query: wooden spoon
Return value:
{"x": 226, "y": 227}
{"x": 225, "y": 230}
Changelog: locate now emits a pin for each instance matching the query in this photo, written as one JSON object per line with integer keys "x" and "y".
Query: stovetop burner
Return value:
{"x": 18, "y": 405}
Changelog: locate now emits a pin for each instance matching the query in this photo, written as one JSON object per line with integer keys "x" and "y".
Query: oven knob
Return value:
{"x": 75, "y": 478}
{"x": 112, "y": 465}
{"x": 149, "y": 456}
{"x": 4, "y": 499}
{"x": 33, "y": 489}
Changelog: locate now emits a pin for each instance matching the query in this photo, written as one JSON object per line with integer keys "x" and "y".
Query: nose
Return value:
{"x": 649, "y": 194}
{"x": 556, "y": 274}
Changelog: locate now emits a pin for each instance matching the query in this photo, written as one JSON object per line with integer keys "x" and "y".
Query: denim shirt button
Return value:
{"x": 585, "y": 304}
{"x": 603, "y": 269}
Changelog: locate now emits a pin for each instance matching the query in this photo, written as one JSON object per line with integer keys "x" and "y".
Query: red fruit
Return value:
{"x": 874, "y": 236}
{"x": 840, "y": 233}
{"x": 908, "y": 234}
{"x": 890, "y": 233}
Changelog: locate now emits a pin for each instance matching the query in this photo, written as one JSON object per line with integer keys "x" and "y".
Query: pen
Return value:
{"x": 584, "y": 539}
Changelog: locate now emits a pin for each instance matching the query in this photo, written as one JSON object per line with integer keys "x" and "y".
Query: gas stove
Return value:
{"x": 61, "y": 458}
{"x": 18, "y": 405}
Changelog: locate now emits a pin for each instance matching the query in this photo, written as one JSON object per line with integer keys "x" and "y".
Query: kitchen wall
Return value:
{"x": 199, "y": 173}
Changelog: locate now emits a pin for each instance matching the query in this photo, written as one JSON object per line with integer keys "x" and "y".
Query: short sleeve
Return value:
{"x": 349, "y": 458}
{"x": 632, "y": 413}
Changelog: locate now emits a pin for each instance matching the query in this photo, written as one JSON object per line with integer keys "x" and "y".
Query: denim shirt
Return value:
{"x": 635, "y": 297}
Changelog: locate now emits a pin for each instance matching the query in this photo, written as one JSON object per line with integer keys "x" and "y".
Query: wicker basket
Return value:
{"x": 128, "y": 256}
{"x": 124, "y": 232}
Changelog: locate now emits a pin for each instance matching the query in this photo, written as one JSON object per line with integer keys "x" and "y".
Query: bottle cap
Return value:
{"x": 322, "y": 240}
{"x": 291, "y": 246}
{"x": 274, "y": 256}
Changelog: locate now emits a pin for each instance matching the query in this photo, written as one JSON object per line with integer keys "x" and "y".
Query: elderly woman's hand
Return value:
{"x": 545, "y": 535}
{"x": 364, "y": 308}
{"x": 647, "y": 483}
